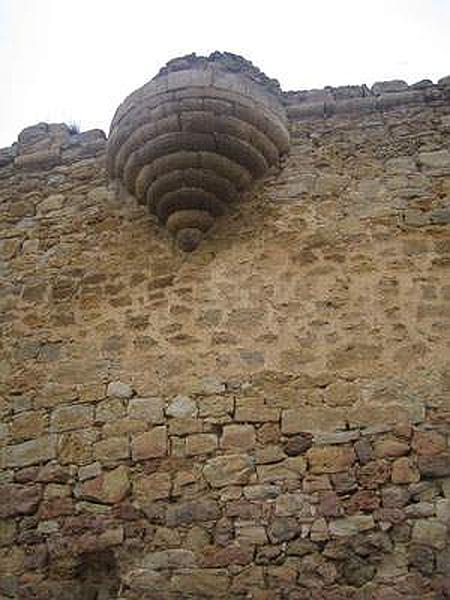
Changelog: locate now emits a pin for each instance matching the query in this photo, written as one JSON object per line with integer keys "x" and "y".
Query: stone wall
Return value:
{"x": 266, "y": 418}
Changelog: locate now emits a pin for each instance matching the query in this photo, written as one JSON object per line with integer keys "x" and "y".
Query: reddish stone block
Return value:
{"x": 374, "y": 474}
{"x": 363, "y": 501}
{"x": 232, "y": 554}
{"x": 16, "y": 499}
{"x": 428, "y": 443}
{"x": 329, "y": 505}
{"x": 56, "y": 507}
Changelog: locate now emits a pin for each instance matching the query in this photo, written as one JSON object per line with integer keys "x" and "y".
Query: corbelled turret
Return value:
{"x": 191, "y": 140}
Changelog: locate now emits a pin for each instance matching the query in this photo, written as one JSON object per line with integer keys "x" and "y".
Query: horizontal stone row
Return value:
{"x": 270, "y": 512}
{"x": 359, "y": 100}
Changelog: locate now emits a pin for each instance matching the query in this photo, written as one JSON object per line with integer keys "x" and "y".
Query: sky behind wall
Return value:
{"x": 76, "y": 60}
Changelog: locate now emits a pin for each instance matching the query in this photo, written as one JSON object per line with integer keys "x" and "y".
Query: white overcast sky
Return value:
{"x": 75, "y": 60}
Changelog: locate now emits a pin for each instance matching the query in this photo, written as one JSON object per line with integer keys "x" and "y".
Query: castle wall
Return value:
{"x": 265, "y": 418}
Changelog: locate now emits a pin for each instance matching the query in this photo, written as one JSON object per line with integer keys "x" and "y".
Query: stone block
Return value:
{"x": 57, "y": 490}
{"x": 112, "y": 449}
{"x": 31, "y": 452}
{"x": 255, "y": 411}
{"x": 298, "y": 444}
{"x": 428, "y": 443}
{"x": 41, "y": 159}
{"x": 109, "y": 410}
{"x": 312, "y": 420}
{"x": 319, "y": 530}
{"x": 56, "y": 507}
{"x": 52, "y": 203}
{"x": 293, "y": 504}
{"x": 351, "y": 525}
{"x": 150, "y": 410}
{"x": 269, "y": 454}
{"x": 289, "y": 469}
{"x": 444, "y": 82}
{"x": 374, "y": 474}
{"x": 374, "y": 411}
{"x": 182, "y": 407}
{"x": 118, "y": 389}
{"x": 401, "y": 165}
{"x": 240, "y": 553}
{"x": 238, "y": 437}
{"x": 29, "y": 424}
{"x": 124, "y": 426}
{"x": 151, "y": 444}
{"x": 330, "y": 459}
{"x": 148, "y": 488}
{"x": 230, "y": 469}
{"x": 443, "y": 511}
{"x": 195, "y": 511}
{"x": 188, "y": 482}
{"x": 108, "y": 488}
{"x": 404, "y": 471}
{"x": 250, "y": 533}
{"x": 262, "y": 492}
{"x": 202, "y": 583}
{"x": 391, "y": 448}
{"x": 89, "y": 471}
{"x": 430, "y": 532}
{"x": 269, "y": 433}
{"x": 7, "y": 531}
{"x": 184, "y": 426}
{"x": 389, "y": 87}
{"x": 436, "y": 162}
{"x": 76, "y": 447}
{"x": 201, "y": 443}
{"x": 283, "y": 529}
{"x": 53, "y": 473}
{"x": 169, "y": 559}
{"x": 215, "y": 407}
{"x": 316, "y": 483}
{"x": 437, "y": 465}
{"x": 74, "y": 416}
{"x": 53, "y": 394}
{"x": 250, "y": 581}
{"x": 91, "y": 392}
{"x": 18, "y": 499}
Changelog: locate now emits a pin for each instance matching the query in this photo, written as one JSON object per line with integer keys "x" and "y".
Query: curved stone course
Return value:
{"x": 192, "y": 139}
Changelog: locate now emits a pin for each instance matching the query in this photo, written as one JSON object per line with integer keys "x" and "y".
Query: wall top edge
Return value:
{"x": 56, "y": 140}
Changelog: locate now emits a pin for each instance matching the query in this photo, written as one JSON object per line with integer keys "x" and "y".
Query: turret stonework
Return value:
{"x": 187, "y": 143}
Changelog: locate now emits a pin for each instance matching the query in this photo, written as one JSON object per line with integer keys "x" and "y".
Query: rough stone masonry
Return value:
{"x": 266, "y": 418}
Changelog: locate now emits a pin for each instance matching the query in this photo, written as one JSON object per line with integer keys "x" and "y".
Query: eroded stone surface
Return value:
{"x": 228, "y": 470}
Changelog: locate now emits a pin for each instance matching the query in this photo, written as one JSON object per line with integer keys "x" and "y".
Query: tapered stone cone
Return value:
{"x": 190, "y": 141}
